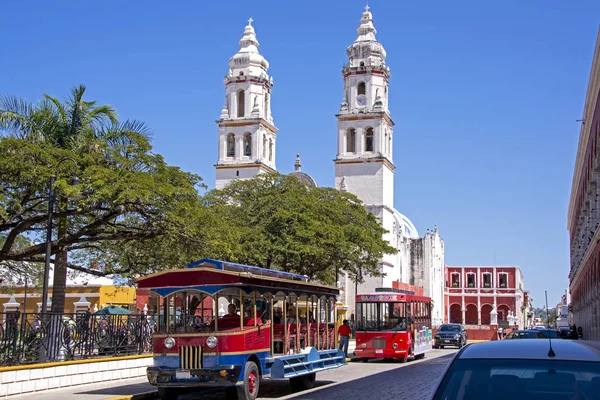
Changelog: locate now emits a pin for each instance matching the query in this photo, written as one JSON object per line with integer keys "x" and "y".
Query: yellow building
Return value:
{"x": 97, "y": 291}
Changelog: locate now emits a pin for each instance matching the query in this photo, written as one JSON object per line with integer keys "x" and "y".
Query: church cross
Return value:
{"x": 250, "y": 21}
{"x": 367, "y": 8}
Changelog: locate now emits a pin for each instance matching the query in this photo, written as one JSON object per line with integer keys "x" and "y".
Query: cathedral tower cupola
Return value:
{"x": 246, "y": 130}
{"x": 364, "y": 164}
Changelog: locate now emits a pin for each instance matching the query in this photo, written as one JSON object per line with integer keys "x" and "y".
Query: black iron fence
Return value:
{"x": 27, "y": 338}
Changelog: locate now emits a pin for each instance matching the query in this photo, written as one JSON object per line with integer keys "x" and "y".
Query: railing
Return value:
{"x": 27, "y": 338}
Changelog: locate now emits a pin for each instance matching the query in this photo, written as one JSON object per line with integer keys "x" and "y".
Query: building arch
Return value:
{"x": 455, "y": 314}
{"x": 471, "y": 314}
{"x": 361, "y": 88}
{"x": 230, "y": 145}
{"x": 248, "y": 144}
{"x": 369, "y": 139}
{"x": 351, "y": 140}
{"x": 503, "y": 311}
{"x": 486, "y": 314}
{"x": 241, "y": 103}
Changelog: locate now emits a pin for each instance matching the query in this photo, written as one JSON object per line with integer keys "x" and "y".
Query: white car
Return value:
{"x": 523, "y": 369}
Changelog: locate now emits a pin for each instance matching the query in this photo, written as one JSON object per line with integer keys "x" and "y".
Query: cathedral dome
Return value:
{"x": 408, "y": 228}
{"x": 302, "y": 176}
{"x": 248, "y": 54}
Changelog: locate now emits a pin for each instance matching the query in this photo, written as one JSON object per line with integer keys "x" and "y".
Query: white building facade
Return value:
{"x": 364, "y": 166}
{"x": 246, "y": 131}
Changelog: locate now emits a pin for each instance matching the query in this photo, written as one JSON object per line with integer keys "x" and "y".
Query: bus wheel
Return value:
{"x": 168, "y": 393}
{"x": 251, "y": 383}
{"x": 303, "y": 382}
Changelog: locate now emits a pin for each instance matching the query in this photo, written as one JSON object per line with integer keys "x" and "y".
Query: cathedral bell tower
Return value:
{"x": 363, "y": 165}
{"x": 246, "y": 130}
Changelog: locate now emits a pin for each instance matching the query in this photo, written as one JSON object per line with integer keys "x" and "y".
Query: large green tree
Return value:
{"x": 276, "y": 221}
{"x": 126, "y": 194}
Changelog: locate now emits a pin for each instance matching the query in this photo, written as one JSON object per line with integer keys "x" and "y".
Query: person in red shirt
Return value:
{"x": 344, "y": 331}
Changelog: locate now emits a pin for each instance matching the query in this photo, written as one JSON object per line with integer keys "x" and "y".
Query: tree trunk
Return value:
{"x": 60, "y": 268}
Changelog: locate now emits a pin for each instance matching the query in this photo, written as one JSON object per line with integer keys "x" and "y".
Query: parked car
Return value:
{"x": 450, "y": 335}
{"x": 525, "y": 334}
{"x": 522, "y": 369}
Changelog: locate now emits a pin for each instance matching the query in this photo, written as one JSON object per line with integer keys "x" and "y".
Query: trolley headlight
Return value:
{"x": 211, "y": 342}
{"x": 395, "y": 346}
{"x": 364, "y": 345}
{"x": 169, "y": 342}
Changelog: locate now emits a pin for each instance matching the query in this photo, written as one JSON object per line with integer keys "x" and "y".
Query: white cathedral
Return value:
{"x": 363, "y": 166}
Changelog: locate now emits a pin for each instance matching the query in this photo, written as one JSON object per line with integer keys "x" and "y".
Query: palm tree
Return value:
{"x": 73, "y": 124}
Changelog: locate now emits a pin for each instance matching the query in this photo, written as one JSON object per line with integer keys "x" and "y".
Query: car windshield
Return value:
{"x": 519, "y": 379}
{"x": 449, "y": 328}
{"x": 382, "y": 316}
{"x": 549, "y": 333}
{"x": 524, "y": 335}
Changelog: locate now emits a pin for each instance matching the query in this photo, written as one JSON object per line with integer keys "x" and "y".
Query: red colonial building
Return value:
{"x": 472, "y": 293}
{"x": 584, "y": 213}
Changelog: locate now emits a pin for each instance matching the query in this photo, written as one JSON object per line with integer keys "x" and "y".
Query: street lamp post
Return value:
{"x": 49, "y": 228}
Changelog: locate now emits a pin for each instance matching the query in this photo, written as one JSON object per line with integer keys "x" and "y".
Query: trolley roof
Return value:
{"x": 212, "y": 276}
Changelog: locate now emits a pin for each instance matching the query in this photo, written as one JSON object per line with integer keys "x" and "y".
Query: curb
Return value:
{"x": 138, "y": 396}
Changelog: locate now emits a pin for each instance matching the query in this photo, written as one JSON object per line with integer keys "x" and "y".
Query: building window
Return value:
{"x": 487, "y": 280}
{"x": 455, "y": 280}
{"x": 369, "y": 140}
{"x": 241, "y": 102}
{"x": 471, "y": 280}
{"x": 503, "y": 280}
{"x": 351, "y": 141}
{"x": 248, "y": 144}
{"x": 231, "y": 145}
{"x": 270, "y": 149}
{"x": 265, "y": 147}
{"x": 362, "y": 88}
{"x": 362, "y": 63}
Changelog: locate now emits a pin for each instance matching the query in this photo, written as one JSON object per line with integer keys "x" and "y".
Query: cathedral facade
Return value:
{"x": 364, "y": 163}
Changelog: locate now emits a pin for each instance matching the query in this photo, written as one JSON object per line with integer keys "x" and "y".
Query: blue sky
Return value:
{"x": 485, "y": 96}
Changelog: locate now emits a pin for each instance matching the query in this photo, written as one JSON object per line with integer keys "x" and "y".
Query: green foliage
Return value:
{"x": 124, "y": 196}
{"x": 279, "y": 222}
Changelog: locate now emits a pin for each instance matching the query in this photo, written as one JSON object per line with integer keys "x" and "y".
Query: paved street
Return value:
{"x": 375, "y": 380}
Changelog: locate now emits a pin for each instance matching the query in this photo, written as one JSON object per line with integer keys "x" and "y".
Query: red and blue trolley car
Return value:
{"x": 265, "y": 334}
{"x": 394, "y": 324}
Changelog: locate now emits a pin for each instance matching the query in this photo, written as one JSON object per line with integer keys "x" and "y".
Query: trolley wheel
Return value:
{"x": 249, "y": 391}
{"x": 303, "y": 382}
{"x": 168, "y": 393}
{"x": 420, "y": 356}
{"x": 364, "y": 359}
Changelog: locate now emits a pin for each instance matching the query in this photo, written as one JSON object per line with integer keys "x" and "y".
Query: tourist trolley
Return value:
{"x": 394, "y": 324}
{"x": 226, "y": 325}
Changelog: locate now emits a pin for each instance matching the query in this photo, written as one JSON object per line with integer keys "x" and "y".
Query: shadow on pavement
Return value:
{"x": 120, "y": 390}
{"x": 268, "y": 390}
{"x": 386, "y": 382}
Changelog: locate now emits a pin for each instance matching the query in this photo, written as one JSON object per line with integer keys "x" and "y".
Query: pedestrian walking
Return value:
{"x": 344, "y": 332}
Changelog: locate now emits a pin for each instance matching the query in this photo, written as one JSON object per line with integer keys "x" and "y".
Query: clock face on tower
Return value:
{"x": 361, "y": 100}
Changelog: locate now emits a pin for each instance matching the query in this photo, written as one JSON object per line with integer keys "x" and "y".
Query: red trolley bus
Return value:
{"x": 278, "y": 326}
{"x": 393, "y": 323}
